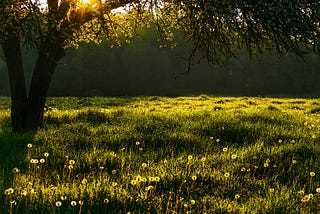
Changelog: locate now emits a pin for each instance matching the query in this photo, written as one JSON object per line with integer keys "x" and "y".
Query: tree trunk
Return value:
{"x": 45, "y": 66}
{"x": 13, "y": 55}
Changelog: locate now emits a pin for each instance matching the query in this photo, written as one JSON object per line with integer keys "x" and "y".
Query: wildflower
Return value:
{"x": 71, "y": 162}
{"x": 133, "y": 182}
{"x": 24, "y": 193}
{"x": 137, "y": 143}
{"x": 151, "y": 179}
{"x": 9, "y": 191}
{"x": 101, "y": 167}
{"x": 112, "y": 154}
{"x": 63, "y": 198}
{"x": 318, "y": 190}
{"x": 243, "y": 169}
{"x": 305, "y": 199}
{"x": 114, "y": 172}
{"x": 138, "y": 178}
{"x": 185, "y": 205}
{"x": 140, "y": 149}
{"x": 211, "y": 138}
{"x": 29, "y": 145}
{"x": 15, "y": 170}
{"x": 46, "y": 154}
{"x": 35, "y": 161}
{"x": 80, "y": 203}
{"x": 293, "y": 141}
{"x": 73, "y": 203}
{"x": 203, "y": 159}
{"x": 157, "y": 179}
{"x": 190, "y": 157}
{"x": 237, "y": 196}
{"x": 193, "y": 202}
{"x": 106, "y": 201}
{"x": 271, "y": 190}
{"x": 312, "y": 174}
{"x": 225, "y": 149}
{"x": 301, "y": 192}
{"x": 149, "y": 188}
{"x": 42, "y": 160}
{"x": 313, "y": 136}
{"x": 70, "y": 167}
{"x": 227, "y": 174}
{"x": 114, "y": 184}
{"x": 234, "y": 156}
{"x": 58, "y": 203}
{"x": 310, "y": 196}
{"x": 294, "y": 161}
{"x": 218, "y": 140}
{"x": 144, "y": 165}
{"x": 144, "y": 180}
{"x": 268, "y": 160}
{"x": 266, "y": 165}
{"x": 194, "y": 177}
{"x": 279, "y": 141}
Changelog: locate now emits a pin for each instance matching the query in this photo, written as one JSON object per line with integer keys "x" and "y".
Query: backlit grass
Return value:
{"x": 164, "y": 155}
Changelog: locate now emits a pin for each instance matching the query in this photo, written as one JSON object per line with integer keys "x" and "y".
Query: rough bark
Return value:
{"x": 45, "y": 66}
{"x": 12, "y": 52}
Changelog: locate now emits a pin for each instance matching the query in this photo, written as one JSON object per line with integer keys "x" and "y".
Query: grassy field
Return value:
{"x": 164, "y": 155}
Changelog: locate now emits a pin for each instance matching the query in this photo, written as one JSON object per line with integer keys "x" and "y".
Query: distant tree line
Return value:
{"x": 148, "y": 67}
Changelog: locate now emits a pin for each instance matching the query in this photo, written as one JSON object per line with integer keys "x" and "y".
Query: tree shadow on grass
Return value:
{"x": 12, "y": 152}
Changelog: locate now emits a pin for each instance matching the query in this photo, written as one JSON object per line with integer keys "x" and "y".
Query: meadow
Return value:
{"x": 164, "y": 155}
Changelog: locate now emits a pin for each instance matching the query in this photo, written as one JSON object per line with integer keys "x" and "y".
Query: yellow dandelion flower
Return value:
{"x": 211, "y": 138}
{"x": 15, "y": 170}
{"x": 29, "y": 145}
{"x": 144, "y": 180}
{"x": 63, "y": 197}
{"x": 114, "y": 172}
{"x": 268, "y": 160}
{"x": 310, "y": 196}
{"x": 101, "y": 167}
{"x": 227, "y": 174}
{"x": 114, "y": 184}
{"x": 42, "y": 160}
{"x": 225, "y": 149}
{"x": 305, "y": 199}
{"x": 185, "y": 205}
{"x": 234, "y": 156}
{"x": 266, "y": 165}
{"x": 138, "y": 178}
{"x": 144, "y": 165}
{"x": 149, "y": 188}
{"x": 243, "y": 169}
{"x": 9, "y": 191}
{"x": 218, "y": 140}
{"x": 133, "y": 182}
{"x": 157, "y": 179}
{"x": 271, "y": 190}
{"x": 294, "y": 161}
{"x": 80, "y": 203}
{"x": 237, "y": 196}
{"x": 46, "y": 154}
{"x": 58, "y": 203}
{"x": 24, "y": 193}
{"x": 137, "y": 143}
{"x": 35, "y": 161}
{"x": 318, "y": 190}
{"x": 203, "y": 159}
{"x": 312, "y": 174}
{"x": 194, "y": 177}
{"x": 279, "y": 141}
{"x": 70, "y": 167}
{"x": 151, "y": 179}
{"x": 193, "y": 202}
{"x": 301, "y": 192}
{"x": 106, "y": 201}
{"x": 73, "y": 203}
{"x": 71, "y": 162}
{"x": 190, "y": 157}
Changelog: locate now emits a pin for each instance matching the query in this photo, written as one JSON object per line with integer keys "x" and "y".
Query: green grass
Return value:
{"x": 164, "y": 155}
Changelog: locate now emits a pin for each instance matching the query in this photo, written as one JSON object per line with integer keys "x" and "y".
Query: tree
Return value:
{"x": 218, "y": 30}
